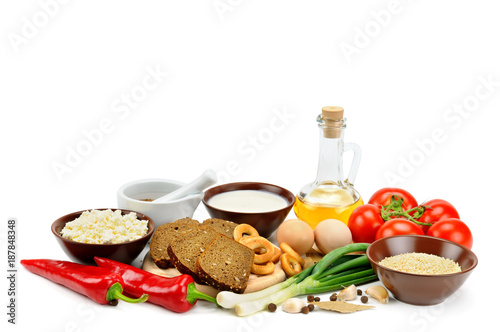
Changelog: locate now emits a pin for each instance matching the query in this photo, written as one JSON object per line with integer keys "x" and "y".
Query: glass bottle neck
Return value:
{"x": 331, "y": 149}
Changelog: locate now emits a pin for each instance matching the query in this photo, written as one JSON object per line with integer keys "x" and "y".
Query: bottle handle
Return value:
{"x": 356, "y": 159}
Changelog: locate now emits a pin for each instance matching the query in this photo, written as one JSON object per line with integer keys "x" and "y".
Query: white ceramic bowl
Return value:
{"x": 130, "y": 194}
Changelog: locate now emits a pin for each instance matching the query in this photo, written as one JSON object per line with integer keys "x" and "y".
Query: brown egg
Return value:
{"x": 331, "y": 234}
{"x": 297, "y": 234}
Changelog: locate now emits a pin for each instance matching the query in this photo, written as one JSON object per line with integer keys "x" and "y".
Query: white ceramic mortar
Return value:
{"x": 130, "y": 194}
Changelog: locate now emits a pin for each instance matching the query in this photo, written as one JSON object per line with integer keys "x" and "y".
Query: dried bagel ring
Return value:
{"x": 242, "y": 229}
{"x": 264, "y": 250}
{"x": 277, "y": 255}
{"x": 289, "y": 250}
{"x": 262, "y": 269}
{"x": 290, "y": 264}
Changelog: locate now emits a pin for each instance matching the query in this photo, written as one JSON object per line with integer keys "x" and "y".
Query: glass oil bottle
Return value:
{"x": 330, "y": 196}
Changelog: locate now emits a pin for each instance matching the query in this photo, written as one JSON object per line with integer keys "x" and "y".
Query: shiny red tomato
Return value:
{"x": 398, "y": 226}
{"x": 436, "y": 210}
{"x": 383, "y": 197}
{"x": 452, "y": 229}
{"x": 364, "y": 223}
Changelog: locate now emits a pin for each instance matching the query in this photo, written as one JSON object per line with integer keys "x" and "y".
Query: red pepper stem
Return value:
{"x": 193, "y": 294}
{"x": 115, "y": 293}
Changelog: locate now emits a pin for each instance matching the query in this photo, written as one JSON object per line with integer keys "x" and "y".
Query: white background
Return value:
{"x": 246, "y": 80}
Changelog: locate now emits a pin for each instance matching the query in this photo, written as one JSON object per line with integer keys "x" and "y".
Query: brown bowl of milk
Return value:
{"x": 262, "y": 205}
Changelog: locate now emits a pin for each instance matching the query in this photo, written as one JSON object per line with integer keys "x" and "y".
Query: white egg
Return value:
{"x": 331, "y": 234}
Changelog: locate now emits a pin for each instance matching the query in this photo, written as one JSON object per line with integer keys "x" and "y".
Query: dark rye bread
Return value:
{"x": 225, "y": 264}
{"x": 187, "y": 221}
{"x": 185, "y": 250}
{"x": 162, "y": 237}
{"x": 221, "y": 226}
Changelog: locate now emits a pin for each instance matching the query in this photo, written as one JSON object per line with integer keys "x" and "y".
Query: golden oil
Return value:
{"x": 321, "y": 204}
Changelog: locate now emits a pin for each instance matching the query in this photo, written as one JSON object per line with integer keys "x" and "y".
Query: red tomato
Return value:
{"x": 439, "y": 210}
{"x": 452, "y": 229}
{"x": 364, "y": 222}
{"x": 383, "y": 197}
{"x": 398, "y": 226}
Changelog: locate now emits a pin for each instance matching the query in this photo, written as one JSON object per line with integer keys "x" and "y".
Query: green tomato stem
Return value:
{"x": 395, "y": 209}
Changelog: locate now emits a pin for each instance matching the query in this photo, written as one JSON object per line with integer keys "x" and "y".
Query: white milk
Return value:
{"x": 252, "y": 201}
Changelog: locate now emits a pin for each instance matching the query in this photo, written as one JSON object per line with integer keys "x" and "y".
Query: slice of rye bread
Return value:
{"x": 221, "y": 226}
{"x": 162, "y": 237}
{"x": 185, "y": 250}
{"x": 187, "y": 221}
{"x": 225, "y": 265}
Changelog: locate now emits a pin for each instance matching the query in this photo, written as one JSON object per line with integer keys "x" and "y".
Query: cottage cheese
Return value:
{"x": 105, "y": 227}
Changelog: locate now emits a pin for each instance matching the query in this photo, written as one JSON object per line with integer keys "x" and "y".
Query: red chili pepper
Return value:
{"x": 95, "y": 282}
{"x": 178, "y": 294}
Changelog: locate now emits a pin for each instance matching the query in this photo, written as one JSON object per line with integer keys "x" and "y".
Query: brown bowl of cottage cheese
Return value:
{"x": 116, "y": 234}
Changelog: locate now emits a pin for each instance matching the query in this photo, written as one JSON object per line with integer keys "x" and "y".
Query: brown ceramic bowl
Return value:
{"x": 84, "y": 252}
{"x": 264, "y": 222}
{"x": 416, "y": 288}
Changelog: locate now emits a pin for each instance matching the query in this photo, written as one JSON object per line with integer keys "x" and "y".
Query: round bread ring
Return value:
{"x": 257, "y": 243}
{"x": 289, "y": 250}
{"x": 290, "y": 264}
{"x": 277, "y": 255}
{"x": 263, "y": 269}
{"x": 244, "y": 229}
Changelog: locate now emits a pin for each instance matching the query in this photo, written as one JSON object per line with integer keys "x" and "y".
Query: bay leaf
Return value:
{"x": 341, "y": 306}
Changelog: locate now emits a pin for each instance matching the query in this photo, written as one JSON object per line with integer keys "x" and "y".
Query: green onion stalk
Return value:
{"x": 334, "y": 271}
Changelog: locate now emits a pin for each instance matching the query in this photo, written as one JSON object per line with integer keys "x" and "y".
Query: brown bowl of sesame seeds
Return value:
{"x": 419, "y": 269}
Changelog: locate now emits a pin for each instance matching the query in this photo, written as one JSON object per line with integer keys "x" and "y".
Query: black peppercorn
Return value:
{"x": 271, "y": 307}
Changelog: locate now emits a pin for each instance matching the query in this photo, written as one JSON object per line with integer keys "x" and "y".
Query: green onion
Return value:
{"x": 333, "y": 271}
{"x": 360, "y": 278}
{"x": 229, "y": 300}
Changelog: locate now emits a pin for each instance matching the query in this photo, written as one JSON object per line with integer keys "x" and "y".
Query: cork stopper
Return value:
{"x": 332, "y": 117}
{"x": 332, "y": 112}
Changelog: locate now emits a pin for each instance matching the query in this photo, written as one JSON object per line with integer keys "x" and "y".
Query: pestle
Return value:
{"x": 206, "y": 179}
